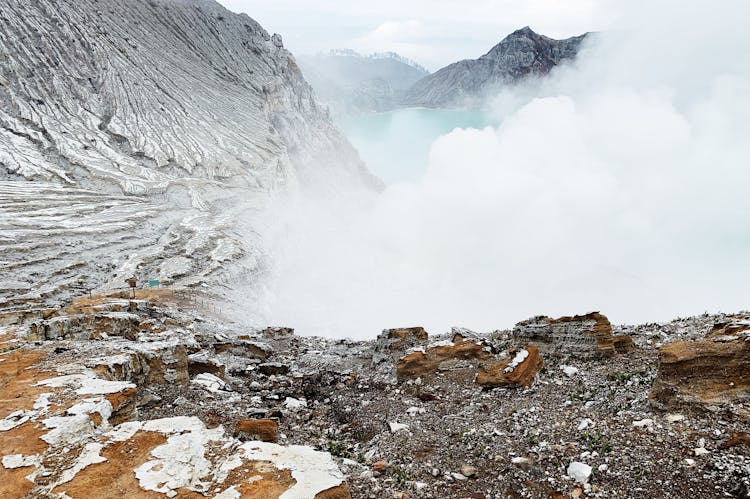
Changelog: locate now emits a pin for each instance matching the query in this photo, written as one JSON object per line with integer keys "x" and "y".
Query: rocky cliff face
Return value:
{"x": 148, "y": 128}
{"x": 520, "y": 55}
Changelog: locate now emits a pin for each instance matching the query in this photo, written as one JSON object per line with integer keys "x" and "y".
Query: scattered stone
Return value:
{"x": 674, "y": 418}
{"x": 294, "y": 404}
{"x": 380, "y": 466}
{"x": 585, "y": 423}
{"x": 643, "y": 423}
{"x": 468, "y": 471}
{"x": 210, "y": 382}
{"x": 580, "y": 472}
{"x": 394, "y": 427}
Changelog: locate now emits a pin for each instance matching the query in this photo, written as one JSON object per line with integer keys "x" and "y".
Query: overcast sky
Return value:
{"x": 432, "y": 32}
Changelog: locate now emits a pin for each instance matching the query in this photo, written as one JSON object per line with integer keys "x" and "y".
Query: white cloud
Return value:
{"x": 440, "y": 31}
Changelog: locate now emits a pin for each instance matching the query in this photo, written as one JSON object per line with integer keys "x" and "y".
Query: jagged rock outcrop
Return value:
{"x": 349, "y": 82}
{"x": 520, "y": 55}
{"x": 74, "y": 428}
{"x": 138, "y": 135}
{"x": 712, "y": 374}
{"x": 391, "y": 344}
{"x": 581, "y": 336}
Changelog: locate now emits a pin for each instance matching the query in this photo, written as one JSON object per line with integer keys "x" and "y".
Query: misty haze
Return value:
{"x": 322, "y": 250}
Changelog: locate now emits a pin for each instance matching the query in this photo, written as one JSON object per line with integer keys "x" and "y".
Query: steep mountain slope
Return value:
{"x": 134, "y": 135}
{"x": 521, "y": 54}
{"x": 350, "y": 82}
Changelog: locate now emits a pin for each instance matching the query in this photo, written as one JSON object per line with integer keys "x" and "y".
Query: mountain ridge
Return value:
{"x": 152, "y": 127}
{"x": 521, "y": 54}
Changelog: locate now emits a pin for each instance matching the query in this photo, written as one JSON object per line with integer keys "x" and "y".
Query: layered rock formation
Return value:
{"x": 582, "y": 336}
{"x": 522, "y": 54}
{"x": 138, "y": 135}
{"x": 711, "y": 374}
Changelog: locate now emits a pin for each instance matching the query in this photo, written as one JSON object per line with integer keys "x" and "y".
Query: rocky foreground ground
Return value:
{"x": 155, "y": 397}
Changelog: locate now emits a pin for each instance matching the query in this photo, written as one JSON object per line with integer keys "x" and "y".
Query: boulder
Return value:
{"x": 393, "y": 343}
{"x": 518, "y": 370}
{"x": 427, "y": 361}
{"x": 712, "y": 374}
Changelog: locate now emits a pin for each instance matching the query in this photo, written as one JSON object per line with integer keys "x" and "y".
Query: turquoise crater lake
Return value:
{"x": 395, "y": 145}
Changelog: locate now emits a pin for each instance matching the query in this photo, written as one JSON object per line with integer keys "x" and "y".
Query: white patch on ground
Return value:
{"x": 89, "y": 455}
{"x": 89, "y": 406}
{"x": 230, "y": 493}
{"x": 177, "y": 424}
{"x": 314, "y": 471}
{"x": 14, "y": 419}
{"x": 580, "y": 472}
{"x": 42, "y": 402}
{"x": 124, "y": 431}
{"x": 517, "y": 360}
{"x": 21, "y": 461}
{"x": 441, "y": 343}
{"x": 63, "y": 381}
{"x": 96, "y": 386}
{"x": 67, "y": 430}
{"x": 180, "y": 462}
{"x": 569, "y": 371}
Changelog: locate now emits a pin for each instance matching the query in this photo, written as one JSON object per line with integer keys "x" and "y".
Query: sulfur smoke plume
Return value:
{"x": 623, "y": 186}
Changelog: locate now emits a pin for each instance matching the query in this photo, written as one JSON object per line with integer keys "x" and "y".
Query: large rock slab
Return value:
{"x": 582, "y": 336}
{"x": 712, "y": 374}
{"x": 427, "y": 361}
{"x": 518, "y": 370}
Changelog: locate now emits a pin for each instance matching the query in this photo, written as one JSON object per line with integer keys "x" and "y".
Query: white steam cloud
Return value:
{"x": 625, "y": 189}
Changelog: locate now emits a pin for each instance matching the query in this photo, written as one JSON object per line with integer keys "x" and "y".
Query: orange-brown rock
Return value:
{"x": 712, "y": 374}
{"x": 266, "y": 430}
{"x": 623, "y": 344}
{"x": 582, "y": 336}
{"x": 519, "y": 370}
{"x": 123, "y": 405}
{"x": 380, "y": 465}
{"x": 428, "y": 361}
{"x": 340, "y": 492}
{"x": 730, "y": 328}
{"x": 736, "y": 439}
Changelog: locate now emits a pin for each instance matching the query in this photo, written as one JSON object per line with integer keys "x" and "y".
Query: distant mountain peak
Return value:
{"x": 525, "y": 31}
{"x": 520, "y": 54}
